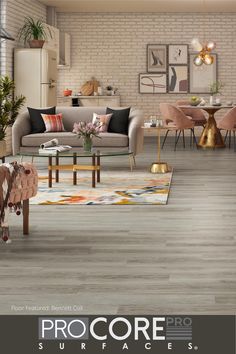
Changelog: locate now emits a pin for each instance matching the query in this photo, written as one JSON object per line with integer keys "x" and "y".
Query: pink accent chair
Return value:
{"x": 228, "y": 123}
{"x": 177, "y": 121}
{"x": 196, "y": 114}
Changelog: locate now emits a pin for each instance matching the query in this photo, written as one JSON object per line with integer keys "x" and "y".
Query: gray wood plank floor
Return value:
{"x": 173, "y": 259}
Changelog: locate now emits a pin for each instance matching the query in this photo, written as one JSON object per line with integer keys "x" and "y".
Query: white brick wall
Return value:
{"x": 13, "y": 14}
{"x": 112, "y": 47}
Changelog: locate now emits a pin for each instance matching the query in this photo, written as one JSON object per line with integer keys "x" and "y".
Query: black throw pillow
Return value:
{"x": 119, "y": 122}
{"x": 36, "y": 120}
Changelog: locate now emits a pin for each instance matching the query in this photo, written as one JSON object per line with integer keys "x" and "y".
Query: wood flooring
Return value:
{"x": 173, "y": 259}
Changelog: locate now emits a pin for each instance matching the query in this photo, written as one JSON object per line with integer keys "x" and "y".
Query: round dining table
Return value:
{"x": 211, "y": 136}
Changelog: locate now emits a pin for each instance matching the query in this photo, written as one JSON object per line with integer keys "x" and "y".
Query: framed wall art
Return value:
{"x": 156, "y": 58}
{"x": 153, "y": 83}
{"x": 178, "y": 54}
{"x": 178, "y": 79}
{"x": 201, "y": 77}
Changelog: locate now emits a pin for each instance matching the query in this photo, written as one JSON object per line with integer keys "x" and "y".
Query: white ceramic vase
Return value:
{"x": 211, "y": 101}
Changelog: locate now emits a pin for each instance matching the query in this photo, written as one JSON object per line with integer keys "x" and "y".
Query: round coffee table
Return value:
{"x": 94, "y": 167}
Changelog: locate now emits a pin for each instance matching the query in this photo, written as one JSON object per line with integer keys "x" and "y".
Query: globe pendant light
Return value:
{"x": 204, "y": 56}
{"x": 204, "y": 50}
{"x": 208, "y": 59}
{"x": 198, "y": 60}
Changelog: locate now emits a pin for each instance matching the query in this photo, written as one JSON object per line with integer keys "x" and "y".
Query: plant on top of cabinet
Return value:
{"x": 35, "y": 32}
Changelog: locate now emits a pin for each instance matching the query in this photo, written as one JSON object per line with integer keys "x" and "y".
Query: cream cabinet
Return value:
{"x": 96, "y": 101}
{"x": 52, "y": 41}
{"x": 65, "y": 48}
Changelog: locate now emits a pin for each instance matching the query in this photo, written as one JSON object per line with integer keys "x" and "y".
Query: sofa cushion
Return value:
{"x": 68, "y": 138}
{"x": 36, "y": 121}
{"x": 102, "y": 120}
{"x": 53, "y": 122}
{"x": 119, "y": 122}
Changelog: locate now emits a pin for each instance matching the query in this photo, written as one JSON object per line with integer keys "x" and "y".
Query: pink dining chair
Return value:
{"x": 228, "y": 123}
{"x": 196, "y": 114}
{"x": 179, "y": 122}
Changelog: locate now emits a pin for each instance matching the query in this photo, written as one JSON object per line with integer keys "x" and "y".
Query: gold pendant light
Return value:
{"x": 204, "y": 56}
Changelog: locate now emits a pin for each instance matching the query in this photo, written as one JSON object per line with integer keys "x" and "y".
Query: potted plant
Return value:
{"x": 9, "y": 109}
{"x": 35, "y": 32}
{"x": 215, "y": 88}
{"x": 87, "y": 131}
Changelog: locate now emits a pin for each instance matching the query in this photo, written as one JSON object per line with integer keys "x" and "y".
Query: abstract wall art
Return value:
{"x": 178, "y": 79}
{"x": 153, "y": 83}
{"x": 178, "y": 54}
{"x": 156, "y": 58}
{"x": 201, "y": 77}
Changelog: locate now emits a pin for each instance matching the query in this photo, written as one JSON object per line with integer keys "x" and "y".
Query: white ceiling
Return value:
{"x": 142, "y": 5}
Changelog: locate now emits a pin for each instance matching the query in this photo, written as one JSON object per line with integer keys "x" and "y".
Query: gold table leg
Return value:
{"x": 211, "y": 136}
{"x": 159, "y": 166}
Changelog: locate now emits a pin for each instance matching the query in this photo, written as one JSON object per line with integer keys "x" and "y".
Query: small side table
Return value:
{"x": 159, "y": 166}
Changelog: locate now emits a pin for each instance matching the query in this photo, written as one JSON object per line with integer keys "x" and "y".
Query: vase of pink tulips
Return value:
{"x": 87, "y": 131}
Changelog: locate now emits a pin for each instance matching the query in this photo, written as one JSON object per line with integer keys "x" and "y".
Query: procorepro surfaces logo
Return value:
{"x": 121, "y": 333}
{"x": 117, "y": 334}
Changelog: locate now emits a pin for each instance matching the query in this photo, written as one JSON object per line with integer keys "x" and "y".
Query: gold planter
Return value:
{"x": 3, "y": 148}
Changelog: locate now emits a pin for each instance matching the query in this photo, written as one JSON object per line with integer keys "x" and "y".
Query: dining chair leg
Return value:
{"x": 177, "y": 138}
{"x": 226, "y": 135}
{"x": 165, "y": 139}
{"x": 190, "y": 140}
{"x": 229, "y": 139}
{"x": 194, "y": 137}
{"x": 183, "y": 139}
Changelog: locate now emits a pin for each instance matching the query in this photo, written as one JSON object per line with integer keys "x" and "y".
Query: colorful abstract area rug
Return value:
{"x": 135, "y": 188}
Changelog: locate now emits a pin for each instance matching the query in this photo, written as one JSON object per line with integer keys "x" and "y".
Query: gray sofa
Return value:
{"x": 24, "y": 141}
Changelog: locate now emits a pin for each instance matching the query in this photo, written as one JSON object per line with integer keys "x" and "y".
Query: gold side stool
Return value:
{"x": 159, "y": 166}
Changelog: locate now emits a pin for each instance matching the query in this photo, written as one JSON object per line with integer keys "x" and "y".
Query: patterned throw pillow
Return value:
{"x": 53, "y": 122}
{"x": 103, "y": 120}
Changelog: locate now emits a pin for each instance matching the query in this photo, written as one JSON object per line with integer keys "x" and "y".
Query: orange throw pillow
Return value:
{"x": 53, "y": 122}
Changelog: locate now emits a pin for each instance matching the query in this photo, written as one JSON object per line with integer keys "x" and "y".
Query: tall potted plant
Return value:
{"x": 35, "y": 32}
{"x": 9, "y": 109}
